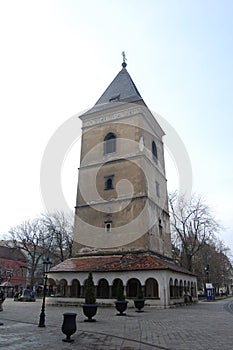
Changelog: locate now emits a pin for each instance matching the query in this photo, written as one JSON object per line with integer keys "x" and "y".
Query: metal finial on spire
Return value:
{"x": 124, "y": 64}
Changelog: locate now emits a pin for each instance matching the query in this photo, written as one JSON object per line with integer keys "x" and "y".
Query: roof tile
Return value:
{"x": 122, "y": 88}
{"x": 128, "y": 262}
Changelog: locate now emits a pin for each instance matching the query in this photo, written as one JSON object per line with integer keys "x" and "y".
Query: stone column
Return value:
{"x": 68, "y": 291}
{"x": 81, "y": 291}
{"x": 110, "y": 292}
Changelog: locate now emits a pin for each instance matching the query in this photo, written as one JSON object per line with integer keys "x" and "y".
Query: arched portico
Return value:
{"x": 163, "y": 288}
{"x": 75, "y": 289}
{"x": 176, "y": 288}
{"x": 52, "y": 288}
{"x": 132, "y": 287}
{"x": 151, "y": 288}
{"x": 62, "y": 288}
{"x": 103, "y": 289}
{"x": 181, "y": 289}
{"x": 114, "y": 287}
{"x": 171, "y": 288}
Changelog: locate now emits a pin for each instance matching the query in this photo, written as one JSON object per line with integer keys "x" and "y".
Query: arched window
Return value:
{"x": 171, "y": 288}
{"x": 108, "y": 225}
{"x": 151, "y": 288}
{"x": 185, "y": 287}
{"x": 109, "y": 143}
{"x": 154, "y": 152}
{"x": 176, "y": 289}
{"x": 108, "y": 182}
{"x": 192, "y": 289}
{"x": 188, "y": 288}
{"x": 62, "y": 288}
{"x": 132, "y": 287}
{"x": 103, "y": 289}
{"x": 75, "y": 289}
{"x": 114, "y": 287}
{"x": 181, "y": 289}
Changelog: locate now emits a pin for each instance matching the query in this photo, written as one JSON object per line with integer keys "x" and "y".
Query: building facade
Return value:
{"x": 122, "y": 227}
{"x": 13, "y": 267}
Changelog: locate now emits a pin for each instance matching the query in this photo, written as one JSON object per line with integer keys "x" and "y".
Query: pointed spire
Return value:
{"x": 122, "y": 88}
{"x": 124, "y": 64}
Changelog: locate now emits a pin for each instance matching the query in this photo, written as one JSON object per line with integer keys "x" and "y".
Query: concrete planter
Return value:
{"x": 139, "y": 304}
{"x": 69, "y": 326}
{"x": 121, "y": 306}
{"x": 90, "y": 311}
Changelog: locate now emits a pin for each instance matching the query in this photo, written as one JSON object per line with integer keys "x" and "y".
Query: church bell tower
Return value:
{"x": 122, "y": 203}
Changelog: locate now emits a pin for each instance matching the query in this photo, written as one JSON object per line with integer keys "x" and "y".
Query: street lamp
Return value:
{"x": 207, "y": 268}
{"x": 47, "y": 264}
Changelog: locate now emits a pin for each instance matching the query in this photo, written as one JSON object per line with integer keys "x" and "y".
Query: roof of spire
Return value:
{"x": 121, "y": 89}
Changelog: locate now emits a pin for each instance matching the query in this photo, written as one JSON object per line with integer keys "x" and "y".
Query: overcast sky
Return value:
{"x": 57, "y": 58}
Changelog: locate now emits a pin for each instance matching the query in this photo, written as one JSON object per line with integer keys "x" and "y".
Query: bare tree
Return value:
{"x": 220, "y": 267}
{"x": 212, "y": 264}
{"x": 59, "y": 228}
{"x": 49, "y": 235}
{"x": 30, "y": 237}
{"x": 192, "y": 226}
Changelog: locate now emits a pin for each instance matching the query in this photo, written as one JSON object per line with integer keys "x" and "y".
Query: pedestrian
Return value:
{"x": 2, "y": 298}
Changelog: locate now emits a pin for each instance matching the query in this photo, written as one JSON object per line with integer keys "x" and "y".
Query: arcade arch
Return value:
{"x": 151, "y": 288}
{"x": 132, "y": 287}
{"x": 103, "y": 289}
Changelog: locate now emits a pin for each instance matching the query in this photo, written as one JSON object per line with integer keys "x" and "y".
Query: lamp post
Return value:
{"x": 207, "y": 268}
{"x": 47, "y": 264}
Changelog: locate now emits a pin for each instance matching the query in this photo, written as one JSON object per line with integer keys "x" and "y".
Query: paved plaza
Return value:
{"x": 206, "y": 325}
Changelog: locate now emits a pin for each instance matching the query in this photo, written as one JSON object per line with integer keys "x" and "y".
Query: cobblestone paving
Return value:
{"x": 202, "y": 326}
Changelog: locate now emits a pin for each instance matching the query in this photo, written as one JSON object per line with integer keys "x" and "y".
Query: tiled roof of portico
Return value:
{"x": 127, "y": 262}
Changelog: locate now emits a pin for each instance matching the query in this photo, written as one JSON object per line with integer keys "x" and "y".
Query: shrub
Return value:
{"x": 89, "y": 290}
{"x": 120, "y": 291}
{"x": 139, "y": 293}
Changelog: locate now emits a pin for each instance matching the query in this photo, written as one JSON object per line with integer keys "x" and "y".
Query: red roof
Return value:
{"x": 13, "y": 254}
{"x": 128, "y": 262}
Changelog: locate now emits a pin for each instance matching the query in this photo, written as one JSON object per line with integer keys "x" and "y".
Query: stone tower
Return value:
{"x": 122, "y": 203}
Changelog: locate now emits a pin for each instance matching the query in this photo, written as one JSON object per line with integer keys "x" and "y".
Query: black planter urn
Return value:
{"x": 121, "y": 306}
{"x": 90, "y": 311}
{"x": 139, "y": 304}
{"x": 69, "y": 326}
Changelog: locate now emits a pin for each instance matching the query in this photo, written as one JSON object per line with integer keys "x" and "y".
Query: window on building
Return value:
{"x": 108, "y": 185}
{"x": 160, "y": 227}
{"x": 154, "y": 152}
{"x": 157, "y": 189}
{"x": 109, "y": 143}
{"x": 115, "y": 98}
{"x": 9, "y": 272}
{"x": 108, "y": 226}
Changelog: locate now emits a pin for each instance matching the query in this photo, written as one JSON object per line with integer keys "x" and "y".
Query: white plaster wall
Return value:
{"x": 162, "y": 277}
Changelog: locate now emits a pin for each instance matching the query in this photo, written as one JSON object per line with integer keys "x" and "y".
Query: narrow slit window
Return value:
{"x": 160, "y": 227}
{"x": 108, "y": 226}
{"x": 154, "y": 152}
{"x": 108, "y": 185}
{"x": 157, "y": 189}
